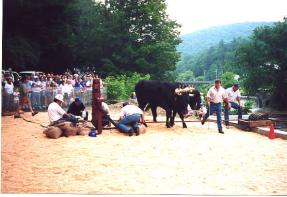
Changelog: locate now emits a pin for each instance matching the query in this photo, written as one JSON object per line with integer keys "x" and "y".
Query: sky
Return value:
{"x": 196, "y": 15}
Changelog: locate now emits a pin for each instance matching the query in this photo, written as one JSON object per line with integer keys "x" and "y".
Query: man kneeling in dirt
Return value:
{"x": 77, "y": 108}
{"x": 130, "y": 115}
{"x": 57, "y": 114}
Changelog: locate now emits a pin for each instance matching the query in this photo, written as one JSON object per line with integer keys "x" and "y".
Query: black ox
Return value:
{"x": 172, "y": 97}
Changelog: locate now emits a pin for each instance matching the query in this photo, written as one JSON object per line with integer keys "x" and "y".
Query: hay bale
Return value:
{"x": 84, "y": 132}
{"x": 69, "y": 130}
{"x": 53, "y": 132}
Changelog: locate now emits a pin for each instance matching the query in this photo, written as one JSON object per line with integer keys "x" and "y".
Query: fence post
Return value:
{"x": 97, "y": 105}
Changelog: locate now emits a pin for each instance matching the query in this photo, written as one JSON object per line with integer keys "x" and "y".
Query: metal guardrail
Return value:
{"x": 41, "y": 100}
{"x": 196, "y": 82}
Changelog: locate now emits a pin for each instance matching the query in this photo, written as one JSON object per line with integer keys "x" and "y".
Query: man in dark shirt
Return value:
{"x": 77, "y": 108}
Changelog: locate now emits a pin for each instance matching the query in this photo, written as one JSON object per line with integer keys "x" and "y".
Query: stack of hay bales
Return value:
{"x": 65, "y": 129}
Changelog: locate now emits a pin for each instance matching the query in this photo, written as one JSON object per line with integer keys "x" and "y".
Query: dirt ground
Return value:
{"x": 196, "y": 160}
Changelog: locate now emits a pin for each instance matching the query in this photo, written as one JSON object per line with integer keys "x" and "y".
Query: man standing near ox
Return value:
{"x": 215, "y": 96}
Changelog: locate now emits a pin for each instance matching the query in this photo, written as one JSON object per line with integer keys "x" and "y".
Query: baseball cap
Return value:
{"x": 59, "y": 97}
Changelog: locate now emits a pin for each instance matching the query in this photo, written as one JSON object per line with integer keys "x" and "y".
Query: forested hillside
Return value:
{"x": 196, "y": 42}
{"x": 258, "y": 63}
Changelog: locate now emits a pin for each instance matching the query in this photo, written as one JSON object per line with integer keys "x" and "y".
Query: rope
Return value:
{"x": 34, "y": 122}
{"x": 85, "y": 126}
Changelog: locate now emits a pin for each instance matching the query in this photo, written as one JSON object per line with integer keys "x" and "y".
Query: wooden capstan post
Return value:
{"x": 97, "y": 105}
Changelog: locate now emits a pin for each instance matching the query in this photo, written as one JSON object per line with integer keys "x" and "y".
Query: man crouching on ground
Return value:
{"x": 130, "y": 115}
{"x": 57, "y": 114}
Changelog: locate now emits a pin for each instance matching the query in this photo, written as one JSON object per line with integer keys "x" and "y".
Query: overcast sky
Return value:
{"x": 195, "y": 15}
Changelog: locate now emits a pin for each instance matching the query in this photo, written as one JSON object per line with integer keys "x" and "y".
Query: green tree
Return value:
{"x": 228, "y": 79}
{"x": 120, "y": 87}
{"x": 145, "y": 38}
{"x": 186, "y": 76}
{"x": 32, "y": 34}
{"x": 264, "y": 62}
{"x": 114, "y": 37}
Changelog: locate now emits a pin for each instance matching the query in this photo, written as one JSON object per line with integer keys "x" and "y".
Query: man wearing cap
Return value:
{"x": 130, "y": 115}
{"x": 56, "y": 112}
{"x": 77, "y": 108}
{"x": 215, "y": 96}
{"x": 233, "y": 94}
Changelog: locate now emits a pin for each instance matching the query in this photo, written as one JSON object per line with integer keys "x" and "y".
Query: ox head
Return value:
{"x": 182, "y": 99}
{"x": 194, "y": 100}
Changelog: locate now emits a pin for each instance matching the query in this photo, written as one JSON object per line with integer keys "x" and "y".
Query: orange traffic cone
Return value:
{"x": 271, "y": 132}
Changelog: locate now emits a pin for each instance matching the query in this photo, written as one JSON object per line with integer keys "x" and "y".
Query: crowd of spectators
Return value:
{"x": 44, "y": 87}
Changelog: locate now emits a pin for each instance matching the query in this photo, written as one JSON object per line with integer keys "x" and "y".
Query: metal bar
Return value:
{"x": 174, "y": 121}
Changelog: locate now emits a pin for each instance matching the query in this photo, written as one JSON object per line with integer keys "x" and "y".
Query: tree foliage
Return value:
{"x": 264, "y": 57}
{"x": 120, "y": 87}
{"x": 260, "y": 61}
{"x": 114, "y": 37}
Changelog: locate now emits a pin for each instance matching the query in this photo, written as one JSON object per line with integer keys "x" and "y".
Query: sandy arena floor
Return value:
{"x": 195, "y": 161}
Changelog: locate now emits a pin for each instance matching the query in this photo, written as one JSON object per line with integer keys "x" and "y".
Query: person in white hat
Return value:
{"x": 56, "y": 112}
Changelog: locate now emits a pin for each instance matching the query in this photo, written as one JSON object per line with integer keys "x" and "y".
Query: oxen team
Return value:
{"x": 172, "y": 97}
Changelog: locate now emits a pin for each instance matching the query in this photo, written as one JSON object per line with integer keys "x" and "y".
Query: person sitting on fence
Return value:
{"x": 130, "y": 115}
{"x": 57, "y": 114}
{"x": 77, "y": 108}
{"x": 24, "y": 98}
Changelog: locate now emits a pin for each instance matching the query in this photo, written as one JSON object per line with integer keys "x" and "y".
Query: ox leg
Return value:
{"x": 154, "y": 114}
{"x": 172, "y": 118}
{"x": 182, "y": 119}
{"x": 168, "y": 116}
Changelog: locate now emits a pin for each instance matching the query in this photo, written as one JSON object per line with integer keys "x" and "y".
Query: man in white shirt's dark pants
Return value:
{"x": 215, "y": 96}
{"x": 233, "y": 94}
{"x": 130, "y": 115}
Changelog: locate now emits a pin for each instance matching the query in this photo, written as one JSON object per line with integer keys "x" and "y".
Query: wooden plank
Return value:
{"x": 248, "y": 124}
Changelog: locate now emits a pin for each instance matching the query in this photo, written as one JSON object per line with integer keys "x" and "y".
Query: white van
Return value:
{"x": 10, "y": 74}
{"x": 31, "y": 73}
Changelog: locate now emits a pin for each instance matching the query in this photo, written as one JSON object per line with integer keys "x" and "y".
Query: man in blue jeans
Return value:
{"x": 233, "y": 94}
{"x": 130, "y": 116}
{"x": 215, "y": 96}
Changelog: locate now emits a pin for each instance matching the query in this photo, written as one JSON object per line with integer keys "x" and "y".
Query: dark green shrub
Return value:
{"x": 120, "y": 87}
{"x": 248, "y": 105}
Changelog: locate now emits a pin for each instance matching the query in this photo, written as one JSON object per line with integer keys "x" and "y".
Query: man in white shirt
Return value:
{"x": 233, "y": 94}
{"x": 68, "y": 91}
{"x": 56, "y": 112}
{"x": 8, "y": 95}
{"x": 215, "y": 96}
{"x": 36, "y": 93}
{"x": 130, "y": 115}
